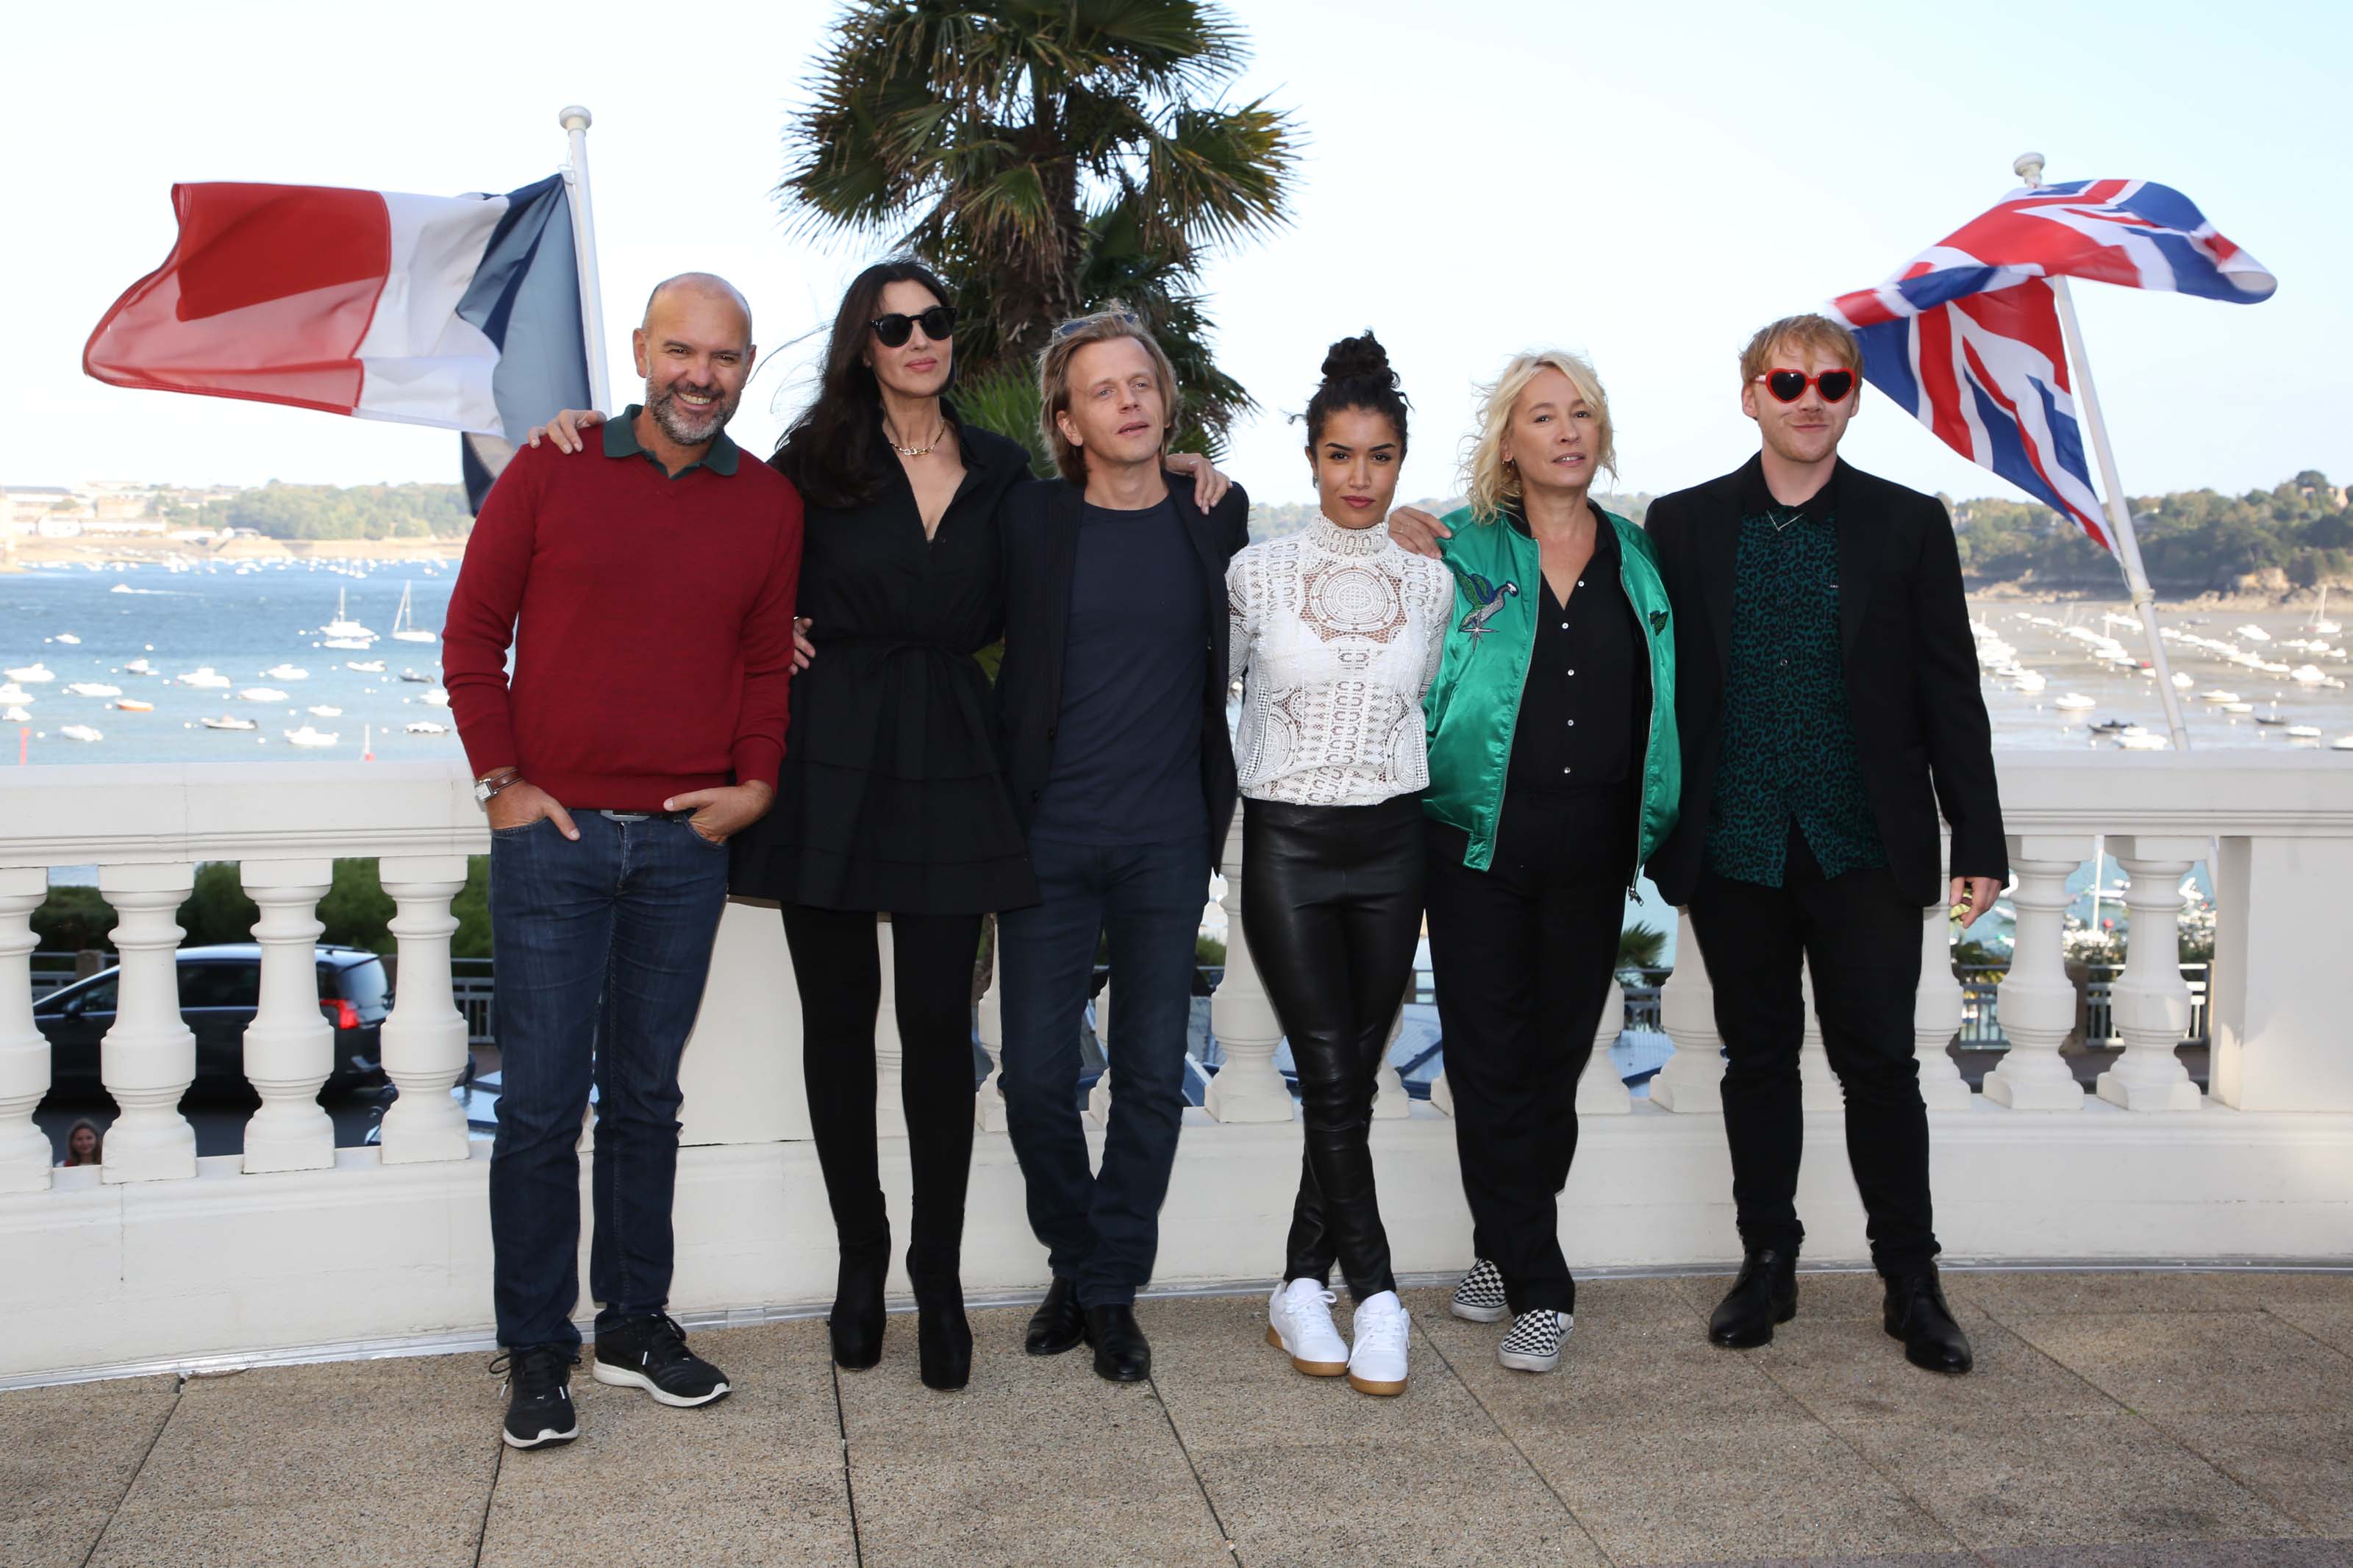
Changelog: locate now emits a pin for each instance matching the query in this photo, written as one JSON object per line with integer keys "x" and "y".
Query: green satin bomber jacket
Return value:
{"x": 1473, "y": 706}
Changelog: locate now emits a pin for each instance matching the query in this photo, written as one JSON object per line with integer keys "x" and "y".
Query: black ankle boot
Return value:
{"x": 1765, "y": 1293}
{"x": 1058, "y": 1324}
{"x": 856, "y": 1323}
{"x": 943, "y": 1335}
{"x": 1916, "y": 1314}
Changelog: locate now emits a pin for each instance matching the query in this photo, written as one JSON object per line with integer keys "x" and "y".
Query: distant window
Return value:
{"x": 220, "y": 986}
{"x": 96, "y": 997}
{"x": 363, "y": 984}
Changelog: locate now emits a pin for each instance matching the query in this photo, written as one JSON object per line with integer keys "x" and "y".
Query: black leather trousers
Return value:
{"x": 1332, "y": 908}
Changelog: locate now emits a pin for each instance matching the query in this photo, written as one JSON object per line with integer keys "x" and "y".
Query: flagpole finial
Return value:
{"x": 2029, "y": 166}
{"x": 574, "y": 117}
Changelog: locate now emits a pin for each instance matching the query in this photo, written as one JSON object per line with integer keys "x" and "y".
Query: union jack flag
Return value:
{"x": 1967, "y": 339}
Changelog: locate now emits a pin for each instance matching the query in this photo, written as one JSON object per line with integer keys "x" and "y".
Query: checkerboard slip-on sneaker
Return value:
{"x": 1479, "y": 1298}
{"x": 1533, "y": 1344}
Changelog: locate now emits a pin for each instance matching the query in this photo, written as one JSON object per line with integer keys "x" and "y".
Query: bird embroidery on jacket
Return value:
{"x": 1489, "y": 598}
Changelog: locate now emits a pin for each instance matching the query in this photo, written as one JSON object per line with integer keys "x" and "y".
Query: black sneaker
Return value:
{"x": 649, "y": 1353}
{"x": 539, "y": 1404}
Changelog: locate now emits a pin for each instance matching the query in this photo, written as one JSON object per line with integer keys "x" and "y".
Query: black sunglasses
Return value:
{"x": 894, "y": 330}
{"x": 1788, "y": 385}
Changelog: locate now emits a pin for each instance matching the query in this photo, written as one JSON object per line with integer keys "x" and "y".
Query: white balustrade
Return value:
{"x": 1246, "y": 1088}
{"x": 23, "y": 1051}
{"x": 1099, "y": 1097}
{"x": 1692, "y": 1080}
{"x": 889, "y": 1052}
{"x": 2037, "y": 998}
{"x": 290, "y": 1047}
{"x": 988, "y": 1100}
{"x": 1441, "y": 1093}
{"x": 1936, "y": 1014}
{"x": 148, "y": 1058}
{"x": 424, "y": 1038}
{"x": 1389, "y": 1097}
{"x": 1818, "y": 1084}
{"x": 1599, "y": 1091}
{"x": 2151, "y": 1001}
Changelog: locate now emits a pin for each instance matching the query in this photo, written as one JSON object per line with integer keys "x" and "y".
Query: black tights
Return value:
{"x": 1332, "y": 906}
{"x": 837, "y": 964}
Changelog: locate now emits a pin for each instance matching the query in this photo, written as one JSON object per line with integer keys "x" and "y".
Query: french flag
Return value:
{"x": 457, "y": 311}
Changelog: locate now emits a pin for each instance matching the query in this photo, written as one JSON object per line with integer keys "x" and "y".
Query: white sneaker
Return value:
{"x": 1376, "y": 1361}
{"x": 1479, "y": 1298}
{"x": 1533, "y": 1343}
{"x": 1299, "y": 1324}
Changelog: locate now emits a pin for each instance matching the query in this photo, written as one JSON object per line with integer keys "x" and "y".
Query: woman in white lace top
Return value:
{"x": 1336, "y": 635}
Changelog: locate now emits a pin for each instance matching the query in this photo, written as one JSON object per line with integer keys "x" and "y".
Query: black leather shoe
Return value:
{"x": 1917, "y": 1315}
{"x": 1765, "y": 1293}
{"x": 1122, "y": 1352}
{"x": 855, "y": 1324}
{"x": 1057, "y": 1325}
{"x": 943, "y": 1337}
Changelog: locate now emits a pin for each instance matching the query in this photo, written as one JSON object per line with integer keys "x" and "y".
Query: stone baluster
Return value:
{"x": 988, "y": 1102}
{"x": 149, "y": 1057}
{"x": 1099, "y": 1097}
{"x": 1246, "y": 1088}
{"x": 1599, "y": 1091}
{"x": 1936, "y": 1014}
{"x": 1389, "y": 1097}
{"x": 1818, "y": 1085}
{"x": 425, "y": 1037}
{"x": 1441, "y": 1093}
{"x": 24, "y": 1050}
{"x": 290, "y": 1047}
{"x": 2151, "y": 1001}
{"x": 2037, "y": 999}
{"x": 889, "y": 1052}
{"x": 1692, "y": 1080}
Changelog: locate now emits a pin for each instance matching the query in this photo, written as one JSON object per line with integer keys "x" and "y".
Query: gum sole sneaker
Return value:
{"x": 1377, "y": 1362}
{"x": 1299, "y": 1324}
{"x": 1479, "y": 1298}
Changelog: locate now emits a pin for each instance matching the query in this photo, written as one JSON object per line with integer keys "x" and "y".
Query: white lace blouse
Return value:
{"x": 1336, "y": 635}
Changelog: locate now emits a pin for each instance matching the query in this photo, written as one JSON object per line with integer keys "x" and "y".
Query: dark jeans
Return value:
{"x": 1332, "y": 906}
{"x": 1100, "y": 1231}
{"x": 1862, "y": 937}
{"x": 837, "y": 964}
{"x": 603, "y": 948}
{"x": 1521, "y": 955}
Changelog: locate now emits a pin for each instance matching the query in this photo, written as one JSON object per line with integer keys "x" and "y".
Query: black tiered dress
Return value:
{"x": 890, "y": 797}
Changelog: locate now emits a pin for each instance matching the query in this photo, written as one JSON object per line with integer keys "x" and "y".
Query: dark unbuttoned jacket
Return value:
{"x": 1041, "y": 542}
{"x": 1909, "y": 663}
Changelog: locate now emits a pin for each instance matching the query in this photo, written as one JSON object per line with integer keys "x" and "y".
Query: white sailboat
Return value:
{"x": 403, "y": 621}
{"x": 342, "y": 625}
{"x": 2320, "y": 621}
{"x": 308, "y": 736}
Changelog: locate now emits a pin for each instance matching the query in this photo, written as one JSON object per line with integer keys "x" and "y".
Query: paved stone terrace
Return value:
{"x": 2115, "y": 1419}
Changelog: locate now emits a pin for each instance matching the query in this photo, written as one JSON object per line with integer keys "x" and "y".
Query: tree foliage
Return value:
{"x": 2294, "y": 535}
{"x": 331, "y": 511}
{"x": 1046, "y": 157}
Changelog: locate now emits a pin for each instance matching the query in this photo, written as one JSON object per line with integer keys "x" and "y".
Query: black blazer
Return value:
{"x": 1041, "y": 537}
{"x": 1911, "y": 666}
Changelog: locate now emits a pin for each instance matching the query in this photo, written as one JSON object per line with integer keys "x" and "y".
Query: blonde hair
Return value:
{"x": 1807, "y": 332}
{"x": 1489, "y": 481}
{"x": 1113, "y": 321}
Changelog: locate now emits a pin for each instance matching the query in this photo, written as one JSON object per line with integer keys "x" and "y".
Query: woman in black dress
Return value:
{"x": 890, "y": 799}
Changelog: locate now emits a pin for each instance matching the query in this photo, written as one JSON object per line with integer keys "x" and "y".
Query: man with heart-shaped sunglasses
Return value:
{"x": 1829, "y": 707}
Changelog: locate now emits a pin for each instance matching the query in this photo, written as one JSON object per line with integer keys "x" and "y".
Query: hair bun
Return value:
{"x": 1359, "y": 359}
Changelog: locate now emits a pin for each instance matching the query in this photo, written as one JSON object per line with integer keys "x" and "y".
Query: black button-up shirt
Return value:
{"x": 1788, "y": 741}
{"x": 1578, "y": 718}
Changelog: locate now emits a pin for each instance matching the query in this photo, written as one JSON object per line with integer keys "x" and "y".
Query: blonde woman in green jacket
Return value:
{"x": 1553, "y": 775}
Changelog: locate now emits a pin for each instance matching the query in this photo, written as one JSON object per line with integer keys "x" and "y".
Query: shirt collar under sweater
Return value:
{"x": 1355, "y": 543}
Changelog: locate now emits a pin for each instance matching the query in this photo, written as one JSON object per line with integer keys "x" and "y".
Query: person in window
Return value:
{"x": 85, "y": 1144}
{"x": 1335, "y": 635}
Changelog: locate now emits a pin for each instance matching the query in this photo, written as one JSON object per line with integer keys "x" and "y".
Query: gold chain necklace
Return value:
{"x": 923, "y": 451}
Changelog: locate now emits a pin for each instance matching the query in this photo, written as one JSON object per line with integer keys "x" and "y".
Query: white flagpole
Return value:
{"x": 2029, "y": 167}
{"x": 575, "y": 122}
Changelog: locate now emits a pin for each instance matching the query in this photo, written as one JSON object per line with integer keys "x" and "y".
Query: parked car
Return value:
{"x": 220, "y": 991}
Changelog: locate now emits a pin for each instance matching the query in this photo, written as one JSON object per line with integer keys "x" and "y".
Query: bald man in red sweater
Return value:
{"x": 649, "y": 599}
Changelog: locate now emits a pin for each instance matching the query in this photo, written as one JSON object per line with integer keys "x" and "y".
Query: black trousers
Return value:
{"x": 1862, "y": 937}
{"x": 837, "y": 963}
{"x": 1521, "y": 954}
{"x": 1332, "y": 906}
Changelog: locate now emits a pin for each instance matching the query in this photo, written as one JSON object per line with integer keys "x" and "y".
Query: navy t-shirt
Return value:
{"x": 1127, "y": 747}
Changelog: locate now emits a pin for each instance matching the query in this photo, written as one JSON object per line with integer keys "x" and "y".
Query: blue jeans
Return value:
{"x": 1100, "y": 1231}
{"x": 603, "y": 947}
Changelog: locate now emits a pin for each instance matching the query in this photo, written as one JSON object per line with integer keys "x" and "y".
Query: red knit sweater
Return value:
{"x": 652, "y": 619}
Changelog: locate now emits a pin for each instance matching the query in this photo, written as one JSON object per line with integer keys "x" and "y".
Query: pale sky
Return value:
{"x": 1645, "y": 184}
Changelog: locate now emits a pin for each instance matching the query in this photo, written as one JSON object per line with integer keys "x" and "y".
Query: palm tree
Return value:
{"x": 1047, "y": 155}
